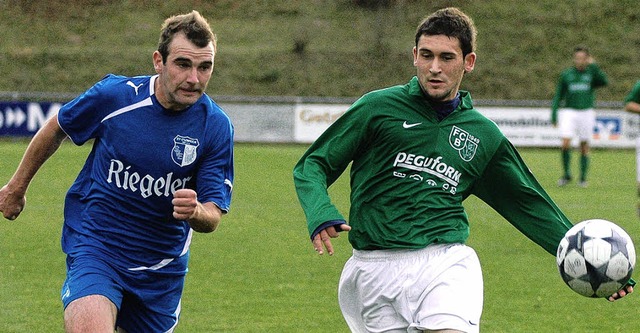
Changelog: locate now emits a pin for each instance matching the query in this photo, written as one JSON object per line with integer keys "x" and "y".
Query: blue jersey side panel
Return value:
{"x": 120, "y": 204}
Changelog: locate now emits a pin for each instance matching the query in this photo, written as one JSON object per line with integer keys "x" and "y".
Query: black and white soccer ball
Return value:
{"x": 596, "y": 258}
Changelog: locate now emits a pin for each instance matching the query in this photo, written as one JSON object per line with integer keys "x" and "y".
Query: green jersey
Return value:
{"x": 576, "y": 89}
{"x": 410, "y": 174}
{"x": 634, "y": 95}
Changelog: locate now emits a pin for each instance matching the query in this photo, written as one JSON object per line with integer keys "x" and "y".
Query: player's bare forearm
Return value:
{"x": 46, "y": 141}
{"x": 202, "y": 217}
{"x": 206, "y": 218}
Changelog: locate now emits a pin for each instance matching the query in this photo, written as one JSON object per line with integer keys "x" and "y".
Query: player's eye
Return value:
{"x": 183, "y": 64}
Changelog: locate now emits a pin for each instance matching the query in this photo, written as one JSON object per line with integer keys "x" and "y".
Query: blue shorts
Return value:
{"x": 147, "y": 301}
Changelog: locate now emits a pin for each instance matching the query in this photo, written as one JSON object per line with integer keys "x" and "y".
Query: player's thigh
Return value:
{"x": 586, "y": 122}
{"x": 89, "y": 275}
{"x": 567, "y": 125}
{"x": 152, "y": 302}
{"x": 92, "y": 313}
{"x": 368, "y": 292}
{"x": 90, "y": 294}
{"x": 454, "y": 298}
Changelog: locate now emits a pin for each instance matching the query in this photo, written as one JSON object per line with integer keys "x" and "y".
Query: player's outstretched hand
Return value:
{"x": 185, "y": 203}
{"x": 323, "y": 238}
{"x": 628, "y": 289}
{"x": 11, "y": 204}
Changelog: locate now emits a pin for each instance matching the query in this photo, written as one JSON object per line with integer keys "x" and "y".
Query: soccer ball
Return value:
{"x": 596, "y": 258}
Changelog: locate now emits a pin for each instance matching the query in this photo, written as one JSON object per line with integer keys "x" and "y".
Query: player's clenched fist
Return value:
{"x": 11, "y": 204}
{"x": 185, "y": 203}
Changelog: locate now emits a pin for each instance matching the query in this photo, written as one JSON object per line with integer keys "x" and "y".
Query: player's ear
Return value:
{"x": 469, "y": 62}
{"x": 157, "y": 62}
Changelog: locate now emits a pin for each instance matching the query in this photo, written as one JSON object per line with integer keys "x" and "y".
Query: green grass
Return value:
{"x": 66, "y": 46}
{"x": 258, "y": 271}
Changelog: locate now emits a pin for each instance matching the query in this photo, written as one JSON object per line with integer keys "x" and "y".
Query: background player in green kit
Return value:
{"x": 632, "y": 104}
{"x": 575, "y": 93}
{"x": 418, "y": 151}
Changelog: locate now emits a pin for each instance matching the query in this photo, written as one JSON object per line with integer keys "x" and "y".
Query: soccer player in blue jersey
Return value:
{"x": 161, "y": 168}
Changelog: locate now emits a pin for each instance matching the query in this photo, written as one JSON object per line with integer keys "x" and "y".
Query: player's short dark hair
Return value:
{"x": 453, "y": 23}
{"x": 581, "y": 48}
{"x": 193, "y": 25}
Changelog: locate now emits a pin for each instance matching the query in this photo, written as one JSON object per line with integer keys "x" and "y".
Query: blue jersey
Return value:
{"x": 119, "y": 207}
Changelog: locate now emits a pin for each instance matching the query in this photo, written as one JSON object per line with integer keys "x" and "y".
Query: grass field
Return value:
{"x": 259, "y": 273}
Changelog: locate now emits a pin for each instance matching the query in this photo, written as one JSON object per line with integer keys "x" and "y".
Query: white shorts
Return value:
{"x": 577, "y": 123}
{"x": 438, "y": 287}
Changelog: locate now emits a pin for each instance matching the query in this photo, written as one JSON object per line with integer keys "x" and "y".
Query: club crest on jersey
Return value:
{"x": 184, "y": 150}
{"x": 465, "y": 143}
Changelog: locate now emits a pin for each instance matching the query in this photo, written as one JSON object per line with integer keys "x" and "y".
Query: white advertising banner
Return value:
{"x": 524, "y": 126}
{"x": 531, "y": 127}
{"x": 313, "y": 119}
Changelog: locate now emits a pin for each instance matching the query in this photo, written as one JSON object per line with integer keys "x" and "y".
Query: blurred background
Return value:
{"x": 258, "y": 272}
{"x": 335, "y": 48}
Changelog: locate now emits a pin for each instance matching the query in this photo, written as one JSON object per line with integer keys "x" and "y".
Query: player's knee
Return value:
{"x": 93, "y": 313}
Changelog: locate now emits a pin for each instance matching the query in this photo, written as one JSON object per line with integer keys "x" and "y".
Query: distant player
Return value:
{"x": 575, "y": 95}
{"x": 161, "y": 167}
{"x": 417, "y": 151}
{"x": 632, "y": 104}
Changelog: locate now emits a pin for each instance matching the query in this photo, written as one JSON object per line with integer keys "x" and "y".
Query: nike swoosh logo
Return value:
{"x": 405, "y": 125}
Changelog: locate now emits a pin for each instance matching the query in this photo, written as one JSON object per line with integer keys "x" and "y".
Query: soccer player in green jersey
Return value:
{"x": 632, "y": 104}
{"x": 575, "y": 93}
{"x": 417, "y": 151}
